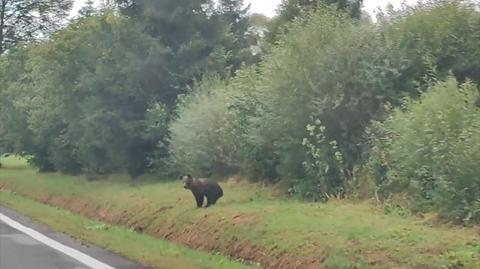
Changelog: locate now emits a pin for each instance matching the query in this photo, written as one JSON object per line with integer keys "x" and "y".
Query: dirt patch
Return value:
{"x": 59, "y": 202}
{"x": 434, "y": 251}
{"x": 243, "y": 219}
{"x": 247, "y": 251}
{"x": 383, "y": 258}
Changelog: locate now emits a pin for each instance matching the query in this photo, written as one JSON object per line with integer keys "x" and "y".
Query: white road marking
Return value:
{"x": 75, "y": 254}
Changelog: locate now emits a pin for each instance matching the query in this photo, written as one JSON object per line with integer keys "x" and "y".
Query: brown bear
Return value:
{"x": 201, "y": 187}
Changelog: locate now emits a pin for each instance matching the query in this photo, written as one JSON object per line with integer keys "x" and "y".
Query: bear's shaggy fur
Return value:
{"x": 202, "y": 187}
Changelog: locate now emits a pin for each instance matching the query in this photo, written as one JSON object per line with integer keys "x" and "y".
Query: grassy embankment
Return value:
{"x": 251, "y": 223}
{"x": 139, "y": 247}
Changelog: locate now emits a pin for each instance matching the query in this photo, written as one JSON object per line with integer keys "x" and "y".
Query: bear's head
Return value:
{"x": 187, "y": 181}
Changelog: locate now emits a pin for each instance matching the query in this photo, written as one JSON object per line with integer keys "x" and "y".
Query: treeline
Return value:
{"x": 327, "y": 102}
{"x": 97, "y": 97}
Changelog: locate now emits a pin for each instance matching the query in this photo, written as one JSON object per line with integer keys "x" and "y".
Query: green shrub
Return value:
{"x": 324, "y": 165}
{"x": 331, "y": 70}
{"x": 252, "y": 153}
{"x": 196, "y": 135}
{"x": 443, "y": 34}
{"x": 431, "y": 150}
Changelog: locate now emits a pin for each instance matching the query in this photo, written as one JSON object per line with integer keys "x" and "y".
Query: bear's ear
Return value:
{"x": 189, "y": 176}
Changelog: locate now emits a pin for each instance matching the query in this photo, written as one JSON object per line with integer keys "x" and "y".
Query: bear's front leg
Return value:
{"x": 199, "y": 198}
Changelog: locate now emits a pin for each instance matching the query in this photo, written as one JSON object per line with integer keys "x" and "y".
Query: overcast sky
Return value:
{"x": 268, "y": 7}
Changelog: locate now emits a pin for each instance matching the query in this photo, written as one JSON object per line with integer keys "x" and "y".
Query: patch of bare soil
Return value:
{"x": 247, "y": 251}
{"x": 243, "y": 219}
{"x": 381, "y": 258}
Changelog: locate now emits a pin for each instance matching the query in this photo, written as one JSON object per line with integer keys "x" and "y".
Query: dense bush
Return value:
{"x": 430, "y": 149}
{"x": 440, "y": 34}
{"x": 337, "y": 74}
{"x": 196, "y": 133}
{"x": 329, "y": 71}
{"x": 303, "y": 116}
{"x": 210, "y": 134}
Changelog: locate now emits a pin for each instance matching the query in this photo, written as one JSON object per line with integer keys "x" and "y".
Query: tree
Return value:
{"x": 15, "y": 136}
{"x": 88, "y": 9}
{"x": 83, "y": 97}
{"x": 191, "y": 32}
{"x": 234, "y": 14}
{"x": 440, "y": 37}
{"x": 29, "y": 20}
{"x": 259, "y": 20}
{"x": 291, "y": 9}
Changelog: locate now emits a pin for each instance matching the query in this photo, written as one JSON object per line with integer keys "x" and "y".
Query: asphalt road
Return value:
{"x": 20, "y": 251}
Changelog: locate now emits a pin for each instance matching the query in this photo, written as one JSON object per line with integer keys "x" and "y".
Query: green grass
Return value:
{"x": 149, "y": 251}
{"x": 13, "y": 163}
{"x": 345, "y": 234}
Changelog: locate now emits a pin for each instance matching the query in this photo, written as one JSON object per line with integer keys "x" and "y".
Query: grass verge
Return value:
{"x": 139, "y": 247}
{"x": 251, "y": 223}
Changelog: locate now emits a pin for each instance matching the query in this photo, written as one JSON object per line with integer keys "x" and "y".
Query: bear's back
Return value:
{"x": 210, "y": 185}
